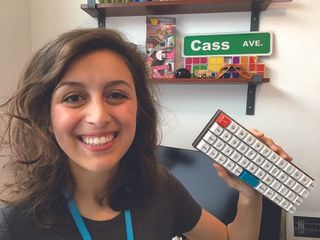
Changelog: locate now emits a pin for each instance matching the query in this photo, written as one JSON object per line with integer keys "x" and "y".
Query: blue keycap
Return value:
{"x": 249, "y": 179}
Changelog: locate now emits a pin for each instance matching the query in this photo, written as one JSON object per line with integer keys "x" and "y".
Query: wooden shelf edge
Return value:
{"x": 205, "y": 81}
{"x": 173, "y": 7}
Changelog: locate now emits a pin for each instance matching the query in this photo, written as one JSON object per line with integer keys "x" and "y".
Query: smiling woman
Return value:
{"x": 82, "y": 130}
{"x": 94, "y": 117}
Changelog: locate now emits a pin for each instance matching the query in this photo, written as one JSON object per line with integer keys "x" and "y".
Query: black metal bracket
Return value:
{"x": 254, "y": 26}
{"x": 101, "y": 18}
{"x": 251, "y": 94}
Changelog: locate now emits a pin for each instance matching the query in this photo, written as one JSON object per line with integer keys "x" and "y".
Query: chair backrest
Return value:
{"x": 194, "y": 170}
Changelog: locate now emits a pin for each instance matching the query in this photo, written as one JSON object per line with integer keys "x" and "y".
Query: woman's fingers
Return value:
{"x": 257, "y": 133}
{"x": 276, "y": 148}
{"x": 234, "y": 182}
{"x": 222, "y": 173}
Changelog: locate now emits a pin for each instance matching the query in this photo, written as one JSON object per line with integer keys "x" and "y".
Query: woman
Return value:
{"x": 82, "y": 130}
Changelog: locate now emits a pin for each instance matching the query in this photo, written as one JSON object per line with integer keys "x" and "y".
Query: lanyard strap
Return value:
{"x": 83, "y": 230}
{"x": 128, "y": 221}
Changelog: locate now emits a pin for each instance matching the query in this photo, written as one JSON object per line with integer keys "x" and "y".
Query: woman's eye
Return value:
{"x": 117, "y": 95}
{"x": 73, "y": 98}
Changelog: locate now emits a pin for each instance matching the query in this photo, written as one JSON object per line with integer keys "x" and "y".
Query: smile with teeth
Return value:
{"x": 97, "y": 140}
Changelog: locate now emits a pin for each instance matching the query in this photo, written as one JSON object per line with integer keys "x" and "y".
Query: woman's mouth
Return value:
{"x": 97, "y": 140}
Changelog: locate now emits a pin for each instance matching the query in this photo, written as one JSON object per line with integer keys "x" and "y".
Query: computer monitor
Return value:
{"x": 194, "y": 170}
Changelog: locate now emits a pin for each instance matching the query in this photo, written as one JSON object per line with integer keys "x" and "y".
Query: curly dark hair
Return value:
{"x": 37, "y": 162}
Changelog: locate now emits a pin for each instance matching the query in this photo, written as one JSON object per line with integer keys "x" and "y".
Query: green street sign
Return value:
{"x": 251, "y": 43}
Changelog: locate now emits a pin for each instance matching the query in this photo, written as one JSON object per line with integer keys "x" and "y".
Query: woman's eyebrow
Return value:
{"x": 81, "y": 85}
{"x": 70, "y": 84}
{"x": 117, "y": 82}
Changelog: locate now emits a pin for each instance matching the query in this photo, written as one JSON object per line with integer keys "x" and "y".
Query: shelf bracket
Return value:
{"x": 101, "y": 18}
{"x": 251, "y": 91}
{"x": 251, "y": 94}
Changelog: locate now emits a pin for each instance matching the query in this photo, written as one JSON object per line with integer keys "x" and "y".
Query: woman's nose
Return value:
{"x": 98, "y": 113}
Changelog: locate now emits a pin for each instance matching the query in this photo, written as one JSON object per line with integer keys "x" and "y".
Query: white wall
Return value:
{"x": 14, "y": 48}
{"x": 287, "y": 108}
{"x": 14, "y": 43}
{"x": 50, "y": 18}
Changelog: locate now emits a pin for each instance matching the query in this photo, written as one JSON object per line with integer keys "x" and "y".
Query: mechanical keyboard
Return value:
{"x": 235, "y": 148}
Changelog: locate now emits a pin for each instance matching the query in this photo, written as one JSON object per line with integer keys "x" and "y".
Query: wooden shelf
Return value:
{"x": 205, "y": 80}
{"x": 173, "y": 7}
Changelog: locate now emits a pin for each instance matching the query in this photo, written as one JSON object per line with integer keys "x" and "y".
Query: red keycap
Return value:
{"x": 223, "y": 120}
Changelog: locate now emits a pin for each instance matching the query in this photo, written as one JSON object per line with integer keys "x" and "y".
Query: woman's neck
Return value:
{"x": 91, "y": 195}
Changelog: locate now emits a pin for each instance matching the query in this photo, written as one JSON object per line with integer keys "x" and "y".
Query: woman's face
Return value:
{"x": 93, "y": 112}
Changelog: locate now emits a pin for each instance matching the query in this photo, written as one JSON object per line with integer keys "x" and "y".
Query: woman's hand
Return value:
{"x": 239, "y": 185}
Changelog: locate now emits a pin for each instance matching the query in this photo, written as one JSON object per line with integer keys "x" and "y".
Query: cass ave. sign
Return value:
{"x": 251, "y": 43}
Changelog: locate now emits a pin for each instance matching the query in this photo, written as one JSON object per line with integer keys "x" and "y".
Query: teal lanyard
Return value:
{"x": 81, "y": 225}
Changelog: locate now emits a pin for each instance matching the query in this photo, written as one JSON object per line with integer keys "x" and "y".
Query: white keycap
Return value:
{"x": 270, "y": 193}
{"x": 219, "y": 144}
{"x": 259, "y": 160}
{"x": 216, "y": 129}
{"x": 227, "y": 150}
{"x": 292, "y": 209}
{"x": 210, "y": 137}
{"x": 229, "y": 165}
{"x": 257, "y": 145}
{"x": 305, "y": 180}
{"x": 277, "y": 198}
{"x": 283, "y": 177}
{"x": 290, "y": 169}
{"x": 250, "y": 153}
{"x": 282, "y": 163}
{"x": 284, "y": 190}
{"x": 252, "y": 167}
{"x": 274, "y": 171}
{"x": 262, "y": 187}
{"x": 249, "y": 139}
{"x": 268, "y": 179}
{"x": 221, "y": 159}
{"x": 286, "y": 204}
{"x": 244, "y": 162}
{"x": 233, "y": 127}
{"x": 290, "y": 182}
{"x": 213, "y": 153}
{"x": 298, "y": 188}
{"x": 297, "y": 201}
{"x": 235, "y": 156}
{"x": 203, "y": 146}
{"x": 225, "y": 136}
{"x": 234, "y": 142}
{"x": 241, "y": 133}
{"x": 276, "y": 185}
{"x": 237, "y": 170}
{"x": 291, "y": 195}
{"x": 273, "y": 157}
{"x": 305, "y": 193}
{"x": 265, "y": 151}
{"x": 260, "y": 173}
{"x": 243, "y": 147}
{"x": 311, "y": 185}
{"x": 297, "y": 175}
{"x": 267, "y": 165}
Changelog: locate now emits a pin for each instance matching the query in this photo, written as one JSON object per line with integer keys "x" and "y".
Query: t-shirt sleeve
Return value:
{"x": 4, "y": 226}
{"x": 187, "y": 211}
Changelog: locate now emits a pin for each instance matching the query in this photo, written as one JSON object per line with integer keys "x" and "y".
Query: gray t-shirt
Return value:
{"x": 169, "y": 212}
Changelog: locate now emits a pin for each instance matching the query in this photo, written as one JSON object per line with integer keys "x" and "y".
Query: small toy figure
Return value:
{"x": 203, "y": 73}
